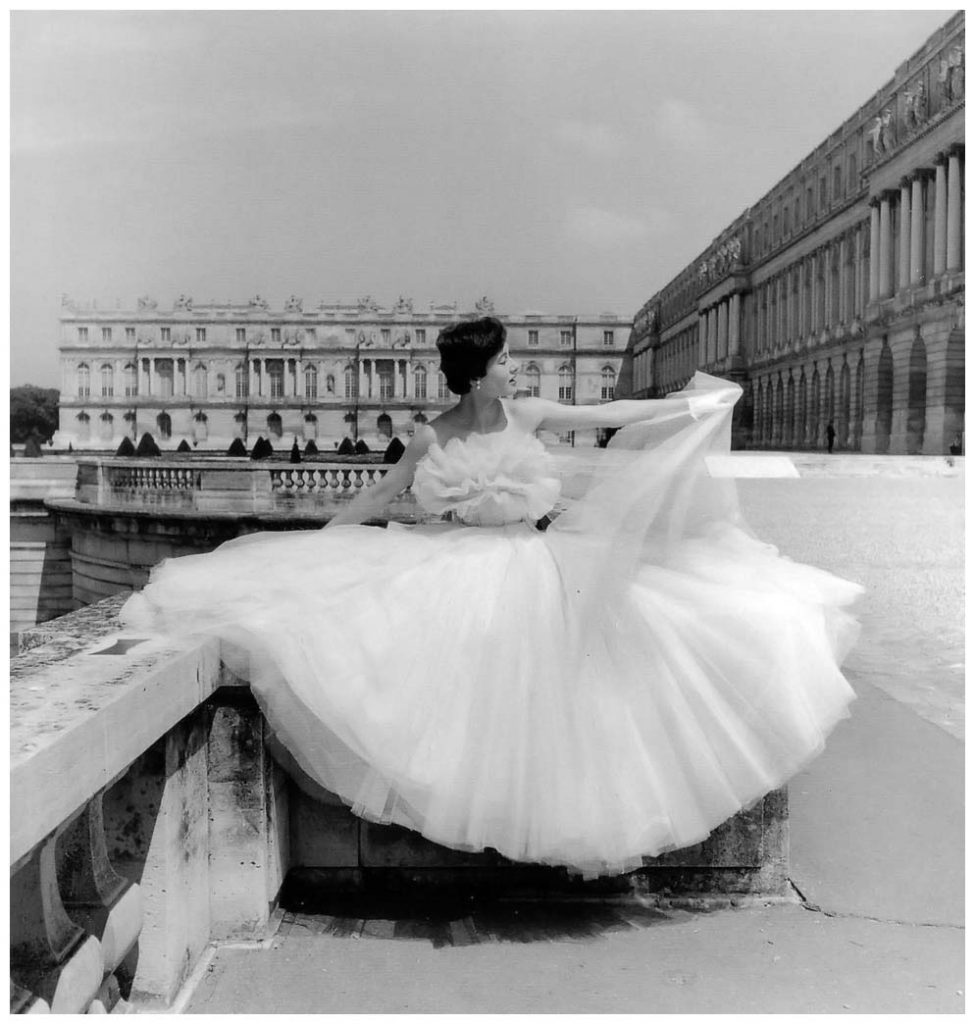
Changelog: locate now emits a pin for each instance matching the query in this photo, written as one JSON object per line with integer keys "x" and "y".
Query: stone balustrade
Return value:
{"x": 208, "y": 485}
{"x": 146, "y": 820}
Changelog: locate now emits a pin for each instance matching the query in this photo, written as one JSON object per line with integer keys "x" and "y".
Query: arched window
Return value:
{"x": 84, "y": 426}
{"x": 442, "y": 390}
{"x": 607, "y": 384}
{"x": 84, "y": 381}
{"x": 420, "y": 382}
{"x": 275, "y": 375}
{"x": 565, "y": 384}
{"x": 164, "y": 372}
{"x": 107, "y": 426}
{"x": 108, "y": 380}
{"x": 274, "y": 425}
{"x": 165, "y": 425}
{"x": 200, "y": 427}
{"x": 351, "y": 381}
{"x": 130, "y": 380}
{"x": 311, "y": 381}
{"x": 241, "y": 380}
{"x": 533, "y": 380}
{"x": 199, "y": 383}
{"x": 384, "y": 425}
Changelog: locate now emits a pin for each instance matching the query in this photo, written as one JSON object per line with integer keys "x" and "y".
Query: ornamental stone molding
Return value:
{"x": 367, "y": 304}
{"x": 484, "y": 306}
{"x": 720, "y": 261}
{"x": 257, "y": 303}
{"x": 184, "y": 302}
{"x": 404, "y": 305}
{"x": 147, "y": 304}
{"x": 293, "y": 305}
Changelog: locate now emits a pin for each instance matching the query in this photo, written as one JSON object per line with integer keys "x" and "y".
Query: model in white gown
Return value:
{"x": 608, "y": 689}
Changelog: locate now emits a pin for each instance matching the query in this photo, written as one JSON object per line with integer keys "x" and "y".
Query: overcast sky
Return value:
{"x": 567, "y": 162}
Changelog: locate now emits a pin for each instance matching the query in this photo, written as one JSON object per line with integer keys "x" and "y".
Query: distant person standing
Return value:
{"x": 830, "y": 437}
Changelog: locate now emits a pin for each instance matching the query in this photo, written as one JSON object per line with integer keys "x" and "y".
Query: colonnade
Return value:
{"x": 719, "y": 330}
{"x": 907, "y": 250}
{"x": 793, "y": 408}
{"x": 675, "y": 360}
{"x": 821, "y": 291}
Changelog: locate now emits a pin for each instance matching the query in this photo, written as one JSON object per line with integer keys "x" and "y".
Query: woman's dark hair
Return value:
{"x": 466, "y": 349}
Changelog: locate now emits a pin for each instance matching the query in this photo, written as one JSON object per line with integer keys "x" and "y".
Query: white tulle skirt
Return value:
{"x": 457, "y": 681}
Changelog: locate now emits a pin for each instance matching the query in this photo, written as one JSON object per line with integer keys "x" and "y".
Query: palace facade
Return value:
{"x": 838, "y": 298}
{"x": 208, "y": 374}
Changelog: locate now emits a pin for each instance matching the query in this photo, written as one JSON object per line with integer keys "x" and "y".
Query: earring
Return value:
{"x": 477, "y": 385}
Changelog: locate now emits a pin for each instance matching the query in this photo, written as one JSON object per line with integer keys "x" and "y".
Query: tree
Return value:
{"x": 147, "y": 446}
{"x": 394, "y": 451}
{"x": 237, "y": 448}
{"x": 33, "y": 410}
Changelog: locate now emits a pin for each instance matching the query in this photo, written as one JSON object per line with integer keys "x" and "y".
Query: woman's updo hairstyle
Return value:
{"x": 466, "y": 349}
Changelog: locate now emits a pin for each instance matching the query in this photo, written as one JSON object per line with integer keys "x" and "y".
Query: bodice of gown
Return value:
{"x": 487, "y": 479}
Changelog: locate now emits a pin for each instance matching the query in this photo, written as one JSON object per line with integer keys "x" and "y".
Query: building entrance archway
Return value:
{"x": 885, "y": 398}
{"x": 917, "y": 388}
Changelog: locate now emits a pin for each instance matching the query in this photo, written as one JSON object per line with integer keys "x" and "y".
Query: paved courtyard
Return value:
{"x": 877, "y": 833}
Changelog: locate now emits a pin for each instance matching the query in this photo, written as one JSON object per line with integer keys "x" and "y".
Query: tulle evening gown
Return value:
{"x": 608, "y": 689}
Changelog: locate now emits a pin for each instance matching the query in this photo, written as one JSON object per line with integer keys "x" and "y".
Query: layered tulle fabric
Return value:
{"x": 609, "y": 689}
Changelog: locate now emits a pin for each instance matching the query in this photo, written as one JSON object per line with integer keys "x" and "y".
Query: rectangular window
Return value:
{"x": 608, "y": 338}
{"x": 241, "y": 335}
{"x": 565, "y": 339}
{"x": 606, "y": 392}
{"x": 386, "y": 335}
{"x": 822, "y": 192}
{"x": 810, "y": 204}
{"x": 83, "y": 335}
{"x": 106, "y": 335}
{"x": 533, "y": 338}
{"x": 442, "y": 390}
{"x": 837, "y": 181}
{"x": 201, "y": 335}
{"x": 421, "y": 336}
{"x": 385, "y": 385}
{"x": 275, "y": 373}
{"x": 565, "y": 392}
{"x": 275, "y": 335}
{"x": 164, "y": 334}
{"x": 129, "y": 335}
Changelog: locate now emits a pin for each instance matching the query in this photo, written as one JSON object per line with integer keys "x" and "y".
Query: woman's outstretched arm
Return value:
{"x": 543, "y": 414}
{"x": 370, "y": 501}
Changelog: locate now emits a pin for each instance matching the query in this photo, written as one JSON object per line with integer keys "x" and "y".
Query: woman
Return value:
{"x": 608, "y": 689}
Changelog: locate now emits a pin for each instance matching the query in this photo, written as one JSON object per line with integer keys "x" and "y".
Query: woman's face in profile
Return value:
{"x": 500, "y": 379}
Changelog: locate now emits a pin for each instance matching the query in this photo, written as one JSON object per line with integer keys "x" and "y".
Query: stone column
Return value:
{"x": 709, "y": 347}
{"x": 955, "y": 214}
{"x": 842, "y": 279}
{"x": 734, "y": 324}
{"x": 874, "y": 250}
{"x": 917, "y": 227}
{"x": 885, "y": 283}
{"x": 940, "y": 214}
{"x": 904, "y": 248}
{"x": 828, "y": 286}
{"x": 857, "y": 272}
{"x": 722, "y": 330}
{"x": 813, "y": 296}
{"x": 363, "y": 379}
{"x": 255, "y": 384}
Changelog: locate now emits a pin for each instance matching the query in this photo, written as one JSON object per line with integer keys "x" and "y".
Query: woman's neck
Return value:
{"x": 479, "y": 412}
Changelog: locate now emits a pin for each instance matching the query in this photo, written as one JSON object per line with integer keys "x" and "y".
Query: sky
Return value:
{"x": 560, "y": 161}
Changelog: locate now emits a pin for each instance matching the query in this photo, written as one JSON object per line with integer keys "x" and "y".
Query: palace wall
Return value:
{"x": 838, "y": 298}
